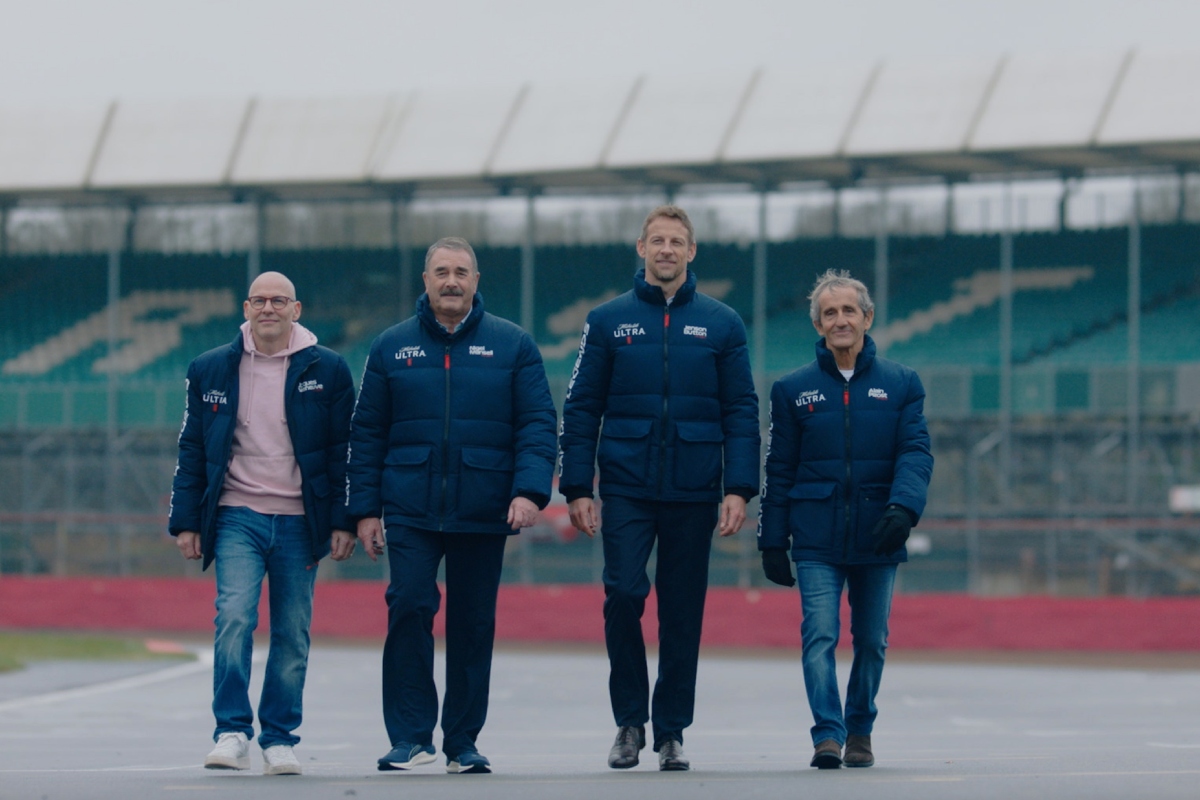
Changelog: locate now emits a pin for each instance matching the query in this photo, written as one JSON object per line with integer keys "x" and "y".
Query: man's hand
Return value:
{"x": 584, "y": 516}
{"x": 777, "y": 566}
{"x": 733, "y": 514}
{"x": 341, "y": 545}
{"x": 189, "y": 544}
{"x": 891, "y": 532}
{"x": 522, "y": 512}
{"x": 370, "y": 533}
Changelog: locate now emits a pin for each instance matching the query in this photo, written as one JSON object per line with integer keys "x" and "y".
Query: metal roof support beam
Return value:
{"x": 1006, "y": 345}
{"x": 528, "y": 261}
{"x": 881, "y": 265}
{"x": 1133, "y": 411}
{"x": 257, "y": 234}
{"x": 402, "y": 241}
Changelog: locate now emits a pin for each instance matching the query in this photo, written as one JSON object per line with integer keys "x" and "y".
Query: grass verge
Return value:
{"x": 19, "y": 647}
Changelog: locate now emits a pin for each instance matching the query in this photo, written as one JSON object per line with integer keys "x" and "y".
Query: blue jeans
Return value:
{"x": 250, "y": 546}
{"x": 410, "y": 702}
{"x": 684, "y": 533}
{"x": 870, "y": 595}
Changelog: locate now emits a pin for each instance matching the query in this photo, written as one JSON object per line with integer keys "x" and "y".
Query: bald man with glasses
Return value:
{"x": 257, "y": 490}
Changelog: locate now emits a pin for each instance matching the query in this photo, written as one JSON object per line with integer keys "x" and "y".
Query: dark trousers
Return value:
{"x": 684, "y": 534}
{"x": 410, "y": 702}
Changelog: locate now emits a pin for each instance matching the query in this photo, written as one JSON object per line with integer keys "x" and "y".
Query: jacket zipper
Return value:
{"x": 846, "y": 491}
{"x": 445, "y": 443}
{"x": 662, "y": 433}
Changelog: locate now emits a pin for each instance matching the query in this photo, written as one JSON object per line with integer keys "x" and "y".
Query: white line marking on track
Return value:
{"x": 120, "y": 685}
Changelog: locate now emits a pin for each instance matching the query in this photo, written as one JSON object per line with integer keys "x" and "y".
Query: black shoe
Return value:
{"x": 827, "y": 755}
{"x": 629, "y": 741}
{"x": 671, "y": 757}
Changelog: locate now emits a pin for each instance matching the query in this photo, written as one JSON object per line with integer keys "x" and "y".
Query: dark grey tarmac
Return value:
{"x": 945, "y": 730}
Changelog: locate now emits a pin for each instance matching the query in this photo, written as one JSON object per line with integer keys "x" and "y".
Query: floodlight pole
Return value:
{"x": 1133, "y": 376}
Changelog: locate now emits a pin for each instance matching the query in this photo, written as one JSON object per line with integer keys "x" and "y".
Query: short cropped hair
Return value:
{"x": 670, "y": 212}
{"x": 838, "y": 279}
{"x": 451, "y": 243}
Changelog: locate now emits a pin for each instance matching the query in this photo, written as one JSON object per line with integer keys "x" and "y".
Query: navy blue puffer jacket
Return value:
{"x": 673, "y": 387}
{"x": 840, "y": 452}
{"x": 318, "y": 416}
{"x": 449, "y": 428}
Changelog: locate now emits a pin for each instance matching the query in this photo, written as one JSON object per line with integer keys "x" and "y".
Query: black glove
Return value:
{"x": 891, "y": 532}
{"x": 777, "y": 566}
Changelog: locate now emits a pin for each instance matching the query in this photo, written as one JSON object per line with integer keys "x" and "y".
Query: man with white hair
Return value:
{"x": 847, "y": 469}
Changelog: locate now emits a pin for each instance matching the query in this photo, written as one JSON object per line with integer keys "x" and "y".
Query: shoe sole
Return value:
{"x": 860, "y": 764}
{"x": 826, "y": 761}
{"x": 282, "y": 769}
{"x": 676, "y": 767}
{"x": 238, "y": 764}
{"x": 418, "y": 760}
{"x": 454, "y": 768}
{"x": 624, "y": 765}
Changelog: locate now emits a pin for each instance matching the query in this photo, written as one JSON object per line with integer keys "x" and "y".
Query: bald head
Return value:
{"x": 271, "y": 307}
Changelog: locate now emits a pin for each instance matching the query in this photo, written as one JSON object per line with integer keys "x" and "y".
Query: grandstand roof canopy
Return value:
{"x": 893, "y": 119}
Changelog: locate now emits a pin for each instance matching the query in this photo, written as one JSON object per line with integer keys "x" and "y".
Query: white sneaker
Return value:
{"x": 232, "y": 752}
{"x": 278, "y": 759}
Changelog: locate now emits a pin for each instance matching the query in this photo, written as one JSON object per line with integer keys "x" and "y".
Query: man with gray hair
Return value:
{"x": 847, "y": 469}
{"x": 452, "y": 449}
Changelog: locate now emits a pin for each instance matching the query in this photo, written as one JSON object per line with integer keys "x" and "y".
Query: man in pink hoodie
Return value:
{"x": 262, "y": 459}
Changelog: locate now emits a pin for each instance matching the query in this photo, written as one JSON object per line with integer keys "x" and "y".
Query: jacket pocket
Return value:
{"x": 869, "y": 508}
{"x": 406, "y": 475}
{"x": 698, "y": 452}
{"x": 624, "y": 451}
{"x": 485, "y": 484}
{"x": 812, "y": 514}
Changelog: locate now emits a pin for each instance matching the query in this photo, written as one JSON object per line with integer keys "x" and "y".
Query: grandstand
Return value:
{"x": 1056, "y": 339}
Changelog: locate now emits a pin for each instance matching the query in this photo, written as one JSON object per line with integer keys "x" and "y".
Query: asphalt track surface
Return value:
{"x": 945, "y": 730}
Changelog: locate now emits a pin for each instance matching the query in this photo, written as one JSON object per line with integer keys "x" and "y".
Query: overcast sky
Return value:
{"x": 55, "y": 50}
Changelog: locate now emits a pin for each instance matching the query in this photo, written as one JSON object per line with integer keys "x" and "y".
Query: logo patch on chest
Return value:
{"x": 480, "y": 350}
{"x": 877, "y": 394}
{"x": 698, "y": 331}
{"x": 407, "y": 354}
{"x": 627, "y": 331}
{"x": 310, "y": 386}
{"x": 810, "y": 397}
{"x": 216, "y": 398}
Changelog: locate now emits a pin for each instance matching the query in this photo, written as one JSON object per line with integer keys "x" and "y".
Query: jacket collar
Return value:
{"x": 431, "y": 324}
{"x": 828, "y": 363}
{"x": 653, "y": 295}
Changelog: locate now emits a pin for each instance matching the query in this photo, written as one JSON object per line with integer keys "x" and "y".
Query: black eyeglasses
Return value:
{"x": 277, "y": 303}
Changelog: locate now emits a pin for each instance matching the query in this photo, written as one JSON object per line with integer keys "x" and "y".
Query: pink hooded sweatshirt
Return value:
{"x": 263, "y": 474}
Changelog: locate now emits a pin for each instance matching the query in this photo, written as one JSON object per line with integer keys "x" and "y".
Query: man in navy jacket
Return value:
{"x": 452, "y": 445}
{"x": 847, "y": 469}
{"x": 666, "y": 370}
{"x": 262, "y": 458}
